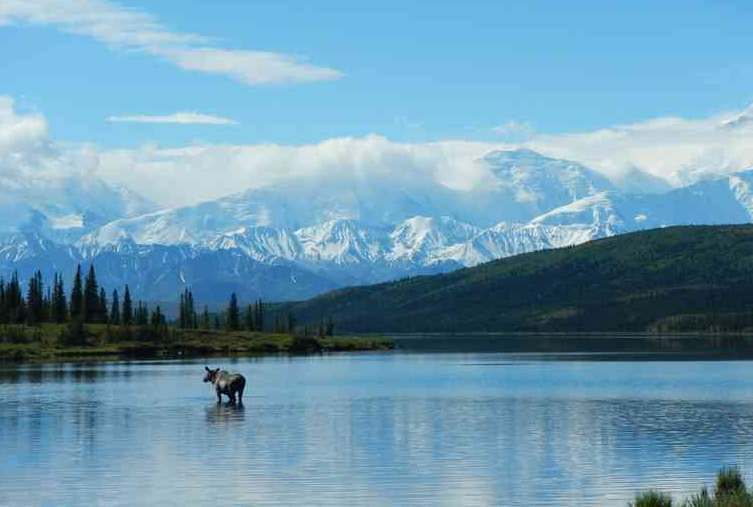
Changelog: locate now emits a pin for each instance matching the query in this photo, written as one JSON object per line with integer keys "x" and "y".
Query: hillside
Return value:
{"x": 690, "y": 278}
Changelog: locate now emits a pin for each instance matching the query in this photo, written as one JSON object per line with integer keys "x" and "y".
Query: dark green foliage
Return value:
{"x": 187, "y": 318}
{"x": 35, "y": 302}
{"x": 115, "y": 309}
{"x": 127, "y": 318}
{"x": 102, "y": 310}
{"x": 304, "y": 344}
{"x": 696, "y": 278}
{"x": 233, "y": 314}
{"x": 652, "y": 499}
{"x": 92, "y": 305}
{"x": 730, "y": 492}
{"x": 141, "y": 317}
{"x": 12, "y": 303}
{"x": 75, "y": 334}
{"x": 729, "y": 481}
{"x": 77, "y": 295}
{"x": 205, "y": 322}
{"x": 59, "y": 304}
{"x": 248, "y": 319}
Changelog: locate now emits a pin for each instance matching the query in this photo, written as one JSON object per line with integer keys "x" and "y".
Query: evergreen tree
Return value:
{"x": 259, "y": 315}
{"x": 158, "y": 319}
{"x": 115, "y": 309}
{"x": 248, "y": 317}
{"x": 77, "y": 295}
{"x": 91, "y": 307}
{"x": 35, "y": 300}
{"x": 182, "y": 314}
{"x": 2, "y": 301}
{"x": 217, "y": 324}
{"x": 127, "y": 308}
{"x": 142, "y": 314}
{"x": 291, "y": 323}
{"x": 330, "y": 331}
{"x": 191, "y": 309}
{"x": 205, "y": 318}
{"x": 233, "y": 314}
{"x": 59, "y": 302}
{"x": 102, "y": 310}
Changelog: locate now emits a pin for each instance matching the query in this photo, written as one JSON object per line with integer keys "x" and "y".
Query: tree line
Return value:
{"x": 88, "y": 303}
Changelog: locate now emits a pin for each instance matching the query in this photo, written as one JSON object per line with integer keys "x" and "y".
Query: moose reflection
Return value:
{"x": 226, "y": 383}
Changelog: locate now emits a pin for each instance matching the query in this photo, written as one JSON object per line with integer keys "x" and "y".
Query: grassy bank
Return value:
{"x": 730, "y": 491}
{"x": 53, "y": 342}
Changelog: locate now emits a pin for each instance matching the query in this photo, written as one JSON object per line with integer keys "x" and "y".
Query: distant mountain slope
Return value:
{"x": 629, "y": 282}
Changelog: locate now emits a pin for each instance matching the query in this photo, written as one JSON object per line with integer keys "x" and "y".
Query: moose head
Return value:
{"x": 211, "y": 374}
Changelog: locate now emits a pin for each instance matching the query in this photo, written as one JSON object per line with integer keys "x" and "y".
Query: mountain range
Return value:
{"x": 301, "y": 237}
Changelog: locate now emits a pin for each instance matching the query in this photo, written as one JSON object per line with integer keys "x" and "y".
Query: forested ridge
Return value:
{"x": 694, "y": 278}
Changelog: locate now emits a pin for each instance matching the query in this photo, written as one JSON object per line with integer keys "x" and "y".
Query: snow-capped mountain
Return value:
{"x": 65, "y": 207}
{"x": 523, "y": 184}
{"x": 302, "y": 238}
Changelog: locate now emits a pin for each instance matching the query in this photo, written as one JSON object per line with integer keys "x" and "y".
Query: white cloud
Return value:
{"x": 182, "y": 118}
{"x": 681, "y": 151}
{"x": 124, "y": 28}
{"x": 674, "y": 149}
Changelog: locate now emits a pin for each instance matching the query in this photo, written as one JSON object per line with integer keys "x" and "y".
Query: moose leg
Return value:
{"x": 240, "y": 396}
{"x": 219, "y": 397}
{"x": 232, "y": 397}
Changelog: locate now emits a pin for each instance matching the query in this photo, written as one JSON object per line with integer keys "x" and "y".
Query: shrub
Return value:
{"x": 702, "y": 499}
{"x": 75, "y": 334}
{"x": 652, "y": 499}
{"x": 729, "y": 481}
{"x": 303, "y": 344}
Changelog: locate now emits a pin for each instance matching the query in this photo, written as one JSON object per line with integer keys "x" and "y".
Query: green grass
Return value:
{"x": 47, "y": 342}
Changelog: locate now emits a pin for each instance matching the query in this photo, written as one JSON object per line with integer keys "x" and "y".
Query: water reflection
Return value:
{"x": 225, "y": 414}
{"x": 372, "y": 430}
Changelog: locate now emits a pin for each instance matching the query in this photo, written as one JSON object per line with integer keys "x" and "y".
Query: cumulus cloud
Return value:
{"x": 182, "y": 118}
{"x": 123, "y": 28}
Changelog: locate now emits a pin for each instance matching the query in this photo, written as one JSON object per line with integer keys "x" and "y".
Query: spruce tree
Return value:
{"x": 205, "y": 318}
{"x": 330, "y": 327}
{"x": 35, "y": 300}
{"x": 182, "y": 315}
{"x": 77, "y": 295}
{"x": 191, "y": 309}
{"x": 115, "y": 309}
{"x": 102, "y": 308}
{"x": 59, "y": 302}
{"x": 249, "y": 319}
{"x": 233, "y": 314}
{"x": 127, "y": 308}
{"x": 291, "y": 323}
{"x": 91, "y": 307}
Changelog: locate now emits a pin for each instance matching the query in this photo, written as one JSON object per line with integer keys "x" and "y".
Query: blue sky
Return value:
{"x": 410, "y": 71}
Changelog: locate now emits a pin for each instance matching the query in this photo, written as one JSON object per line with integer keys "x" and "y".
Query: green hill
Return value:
{"x": 671, "y": 279}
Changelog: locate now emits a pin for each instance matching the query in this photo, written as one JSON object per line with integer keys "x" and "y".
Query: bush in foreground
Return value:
{"x": 730, "y": 491}
{"x": 652, "y": 499}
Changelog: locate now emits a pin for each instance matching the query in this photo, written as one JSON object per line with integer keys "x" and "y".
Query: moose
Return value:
{"x": 226, "y": 383}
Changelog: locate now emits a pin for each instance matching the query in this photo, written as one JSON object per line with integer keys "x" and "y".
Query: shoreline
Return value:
{"x": 43, "y": 344}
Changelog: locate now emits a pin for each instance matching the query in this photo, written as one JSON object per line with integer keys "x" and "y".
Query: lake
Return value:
{"x": 390, "y": 428}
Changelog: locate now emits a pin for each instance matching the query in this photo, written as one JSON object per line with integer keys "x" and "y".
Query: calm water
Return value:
{"x": 372, "y": 429}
